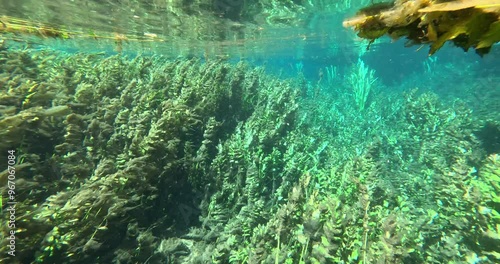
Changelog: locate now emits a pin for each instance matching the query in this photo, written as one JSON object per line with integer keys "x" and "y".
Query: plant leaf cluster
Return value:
{"x": 467, "y": 24}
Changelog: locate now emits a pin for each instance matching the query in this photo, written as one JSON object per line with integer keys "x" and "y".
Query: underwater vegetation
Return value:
{"x": 468, "y": 24}
{"x": 151, "y": 160}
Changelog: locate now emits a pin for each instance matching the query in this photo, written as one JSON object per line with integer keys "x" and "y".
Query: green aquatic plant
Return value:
{"x": 362, "y": 80}
{"x": 144, "y": 149}
{"x": 488, "y": 184}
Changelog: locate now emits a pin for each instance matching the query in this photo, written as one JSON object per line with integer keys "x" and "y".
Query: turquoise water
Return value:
{"x": 240, "y": 132}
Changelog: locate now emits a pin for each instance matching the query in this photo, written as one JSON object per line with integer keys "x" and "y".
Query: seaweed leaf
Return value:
{"x": 471, "y": 25}
{"x": 490, "y": 37}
